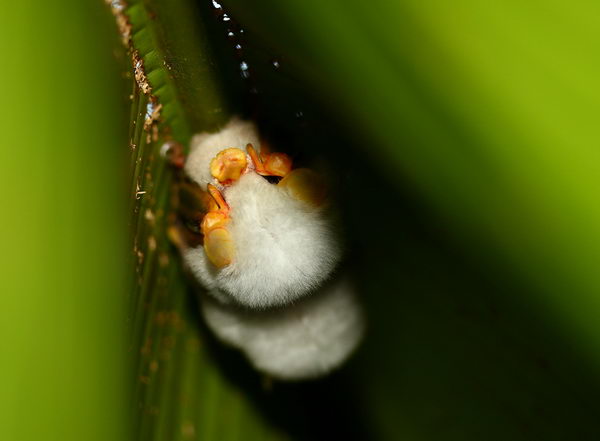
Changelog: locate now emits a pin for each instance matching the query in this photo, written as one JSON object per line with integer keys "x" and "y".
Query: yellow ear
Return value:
{"x": 219, "y": 247}
{"x": 305, "y": 185}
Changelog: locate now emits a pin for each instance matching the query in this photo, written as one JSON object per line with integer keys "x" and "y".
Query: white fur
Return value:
{"x": 302, "y": 341}
{"x": 284, "y": 248}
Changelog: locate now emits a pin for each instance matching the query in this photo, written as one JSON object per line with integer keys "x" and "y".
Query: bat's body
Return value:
{"x": 304, "y": 340}
{"x": 283, "y": 247}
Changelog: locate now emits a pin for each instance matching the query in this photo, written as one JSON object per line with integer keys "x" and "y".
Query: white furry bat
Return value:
{"x": 265, "y": 247}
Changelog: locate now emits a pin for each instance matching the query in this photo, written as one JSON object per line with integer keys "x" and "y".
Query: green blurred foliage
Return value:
{"x": 63, "y": 266}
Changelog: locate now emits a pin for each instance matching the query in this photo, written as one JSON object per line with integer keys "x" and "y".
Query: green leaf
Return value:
{"x": 63, "y": 363}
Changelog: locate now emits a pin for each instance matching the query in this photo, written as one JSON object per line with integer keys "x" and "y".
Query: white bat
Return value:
{"x": 265, "y": 247}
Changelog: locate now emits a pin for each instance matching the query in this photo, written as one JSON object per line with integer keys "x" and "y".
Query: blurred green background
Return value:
{"x": 464, "y": 138}
{"x": 63, "y": 368}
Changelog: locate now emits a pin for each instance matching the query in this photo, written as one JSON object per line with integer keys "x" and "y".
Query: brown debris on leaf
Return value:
{"x": 173, "y": 152}
{"x": 140, "y": 73}
{"x": 153, "y": 110}
{"x": 152, "y": 114}
{"x": 117, "y": 7}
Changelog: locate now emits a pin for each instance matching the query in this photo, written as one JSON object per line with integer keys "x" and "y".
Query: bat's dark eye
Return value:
{"x": 273, "y": 179}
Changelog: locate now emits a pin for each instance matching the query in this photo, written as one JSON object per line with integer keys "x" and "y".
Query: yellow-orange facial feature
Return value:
{"x": 270, "y": 164}
{"x": 219, "y": 247}
{"x": 228, "y": 165}
{"x": 218, "y": 244}
{"x": 305, "y": 185}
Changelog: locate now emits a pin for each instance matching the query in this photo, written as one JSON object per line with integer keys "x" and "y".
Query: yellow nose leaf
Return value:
{"x": 228, "y": 165}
